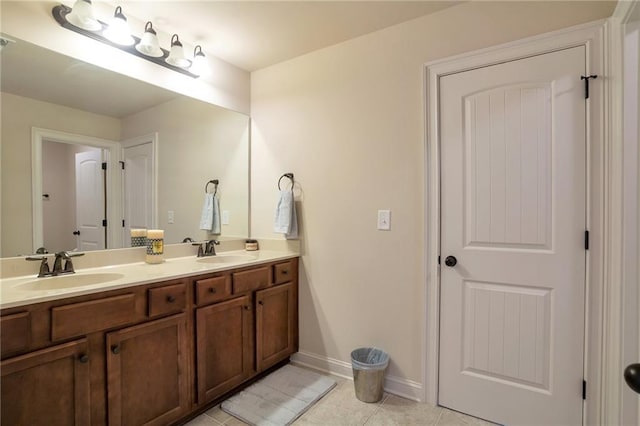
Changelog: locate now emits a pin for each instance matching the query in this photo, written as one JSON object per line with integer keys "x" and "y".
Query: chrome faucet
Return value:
{"x": 207, "y": 248}
{"x": 68, "y": 265}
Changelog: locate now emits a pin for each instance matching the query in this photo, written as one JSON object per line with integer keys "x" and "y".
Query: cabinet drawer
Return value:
{"x": 283, "y": 272}
{"x": 167, "y": 299}
{"x": 213, "y": 289}
{"x": 15, "y": 331}
{"x": 78, "y": 319}
{"x": 250, "y": 280}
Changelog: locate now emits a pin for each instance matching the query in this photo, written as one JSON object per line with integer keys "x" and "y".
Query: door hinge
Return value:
{"x": 121, "y": 164}
{"x": 586, "y": 83}
{"x": 584, "y": 390}
{"x": 123, "y": 223}
{"x": 104, "y": 222}
{"x": 104, "y": 166}
{"x": 438, "y": 260}
{"x": 586, "y": 240}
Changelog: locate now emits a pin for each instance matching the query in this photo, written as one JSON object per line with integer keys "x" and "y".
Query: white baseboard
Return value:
{"x": 392, "y": 384}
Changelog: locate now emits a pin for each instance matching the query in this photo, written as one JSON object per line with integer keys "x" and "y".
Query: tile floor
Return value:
{"x": 340, "y": 407}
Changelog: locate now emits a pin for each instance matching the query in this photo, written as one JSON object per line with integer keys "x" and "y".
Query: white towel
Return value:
{"x": 210, "y": 218}
{"x": 286, "y": 220}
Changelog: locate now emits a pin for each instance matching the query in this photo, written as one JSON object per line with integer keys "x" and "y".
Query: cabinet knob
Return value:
{"x": 260, "y": 302}
{"x": 83, "y": 358}
{"x": 115, "y": 349}
{"x": 212, "y": 290}
{"x": 247, "y": 307}
{"x": 171, "y": 299}
{"x": 285, "y": 272}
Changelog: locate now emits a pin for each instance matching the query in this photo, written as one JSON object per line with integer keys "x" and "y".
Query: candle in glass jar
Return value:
{"x": 155, "y": 246}
{"x": 138, "y": 237}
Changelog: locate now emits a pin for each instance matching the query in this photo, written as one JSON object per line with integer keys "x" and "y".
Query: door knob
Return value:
{"x": 632, "y": 376}
{"x": 451, "y": 261}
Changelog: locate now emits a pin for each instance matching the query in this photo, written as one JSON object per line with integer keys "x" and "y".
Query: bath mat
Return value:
{"x": 280, "y": 398}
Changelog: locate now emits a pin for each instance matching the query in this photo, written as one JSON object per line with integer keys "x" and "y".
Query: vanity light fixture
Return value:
{"x": 199, "y": 66}
{"x": 82, "y": 16}
{"x": 149, "y": 44}
{"x": 176, "y": 54}
{"x": 80, "y": 20}
{"x": 118, "y": 30}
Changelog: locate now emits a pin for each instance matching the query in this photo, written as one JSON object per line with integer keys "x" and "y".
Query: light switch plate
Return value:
{"x": 384, "y": 220}
{"x": 225, "y": 217}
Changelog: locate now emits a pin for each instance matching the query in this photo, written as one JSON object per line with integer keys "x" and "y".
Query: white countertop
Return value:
{"x": 23, "y": 290}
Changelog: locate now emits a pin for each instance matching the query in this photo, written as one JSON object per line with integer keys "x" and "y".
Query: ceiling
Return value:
{"x": 255, "y": 34}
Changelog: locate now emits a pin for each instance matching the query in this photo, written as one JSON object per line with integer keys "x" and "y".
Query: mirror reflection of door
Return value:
{"x": 138, "y": 187}
{"x": 74, "y": 197}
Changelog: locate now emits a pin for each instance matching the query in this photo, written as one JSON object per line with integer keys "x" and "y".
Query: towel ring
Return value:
{"x": 287, "y": 175}
{"x": 215, "y": 186}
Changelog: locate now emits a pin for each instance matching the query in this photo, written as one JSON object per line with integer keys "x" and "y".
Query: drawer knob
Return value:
{"x": 83, "y": 358}
{"x": 115, "y": 349}
{"x": 171, "y": 299}
{"x": 212, "y": 290}
{"x": 285, "y": 272}
{"x": 260, "y": 302}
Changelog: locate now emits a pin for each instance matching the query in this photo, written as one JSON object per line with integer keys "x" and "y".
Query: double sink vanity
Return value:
{"x": 135, "y": 344}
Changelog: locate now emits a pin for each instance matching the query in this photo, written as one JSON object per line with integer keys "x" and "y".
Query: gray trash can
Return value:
{"x": 369, "y": 365}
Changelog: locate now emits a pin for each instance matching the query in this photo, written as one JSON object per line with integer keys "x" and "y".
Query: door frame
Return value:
{"x": 112, "y": 148}
{"x": 604, "y": 202}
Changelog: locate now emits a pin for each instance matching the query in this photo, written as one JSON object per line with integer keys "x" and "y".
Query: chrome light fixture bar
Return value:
{"x": 61, "y": 12}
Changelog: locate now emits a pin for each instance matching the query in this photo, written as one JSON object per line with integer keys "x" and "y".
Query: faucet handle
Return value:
{"x": 44, "y": 265}
{"x": 68, "y": 265}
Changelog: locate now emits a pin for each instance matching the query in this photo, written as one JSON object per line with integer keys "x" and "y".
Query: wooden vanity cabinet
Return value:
{"x": 224, "y": 347}
{"x": 49, "y": 386}
{"x": 151, "y": 354}
{"x": 147, "y": 372}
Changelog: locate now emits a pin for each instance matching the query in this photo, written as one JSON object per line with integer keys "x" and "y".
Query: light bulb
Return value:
{"x": 176, "y": 54}
{"x": 200, "y": 65}
{"x": 118, "y": 31}
{"x": 82, "y": 16}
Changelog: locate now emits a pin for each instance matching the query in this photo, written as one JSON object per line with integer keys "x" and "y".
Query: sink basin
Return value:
{"x": 68, "y": 281}
{"x": 226, "y": 258}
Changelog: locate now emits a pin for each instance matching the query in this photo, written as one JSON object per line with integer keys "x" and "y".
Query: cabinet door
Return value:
{"x": 224, "y": 347}
{"x": 47, "y": 387}
{"x": 147, "y": 372}
{"x": 275, "y": 325}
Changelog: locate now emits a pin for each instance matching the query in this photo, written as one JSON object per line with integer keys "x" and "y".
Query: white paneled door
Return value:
{"x": 138, "y": 188}
{"x": 513, "y": 221}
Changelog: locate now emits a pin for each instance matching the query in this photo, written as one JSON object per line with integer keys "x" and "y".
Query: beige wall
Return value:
{"x": 18, "y": 116}
{"x": 348, "y": 120}
{"x": 197, "y": 142}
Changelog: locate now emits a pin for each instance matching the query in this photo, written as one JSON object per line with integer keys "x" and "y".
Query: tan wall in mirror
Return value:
{"x": 18, "y": 116}
{"x": 218, "y": 149}
{"x": 348, "y": 120}
{"x": 58, "y": 210}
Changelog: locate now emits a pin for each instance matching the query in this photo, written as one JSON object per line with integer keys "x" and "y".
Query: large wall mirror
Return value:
{"x": 62, "y": 119}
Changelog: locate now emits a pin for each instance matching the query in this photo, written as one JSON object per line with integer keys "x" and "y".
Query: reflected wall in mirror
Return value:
{"x": 194, "y": 143}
